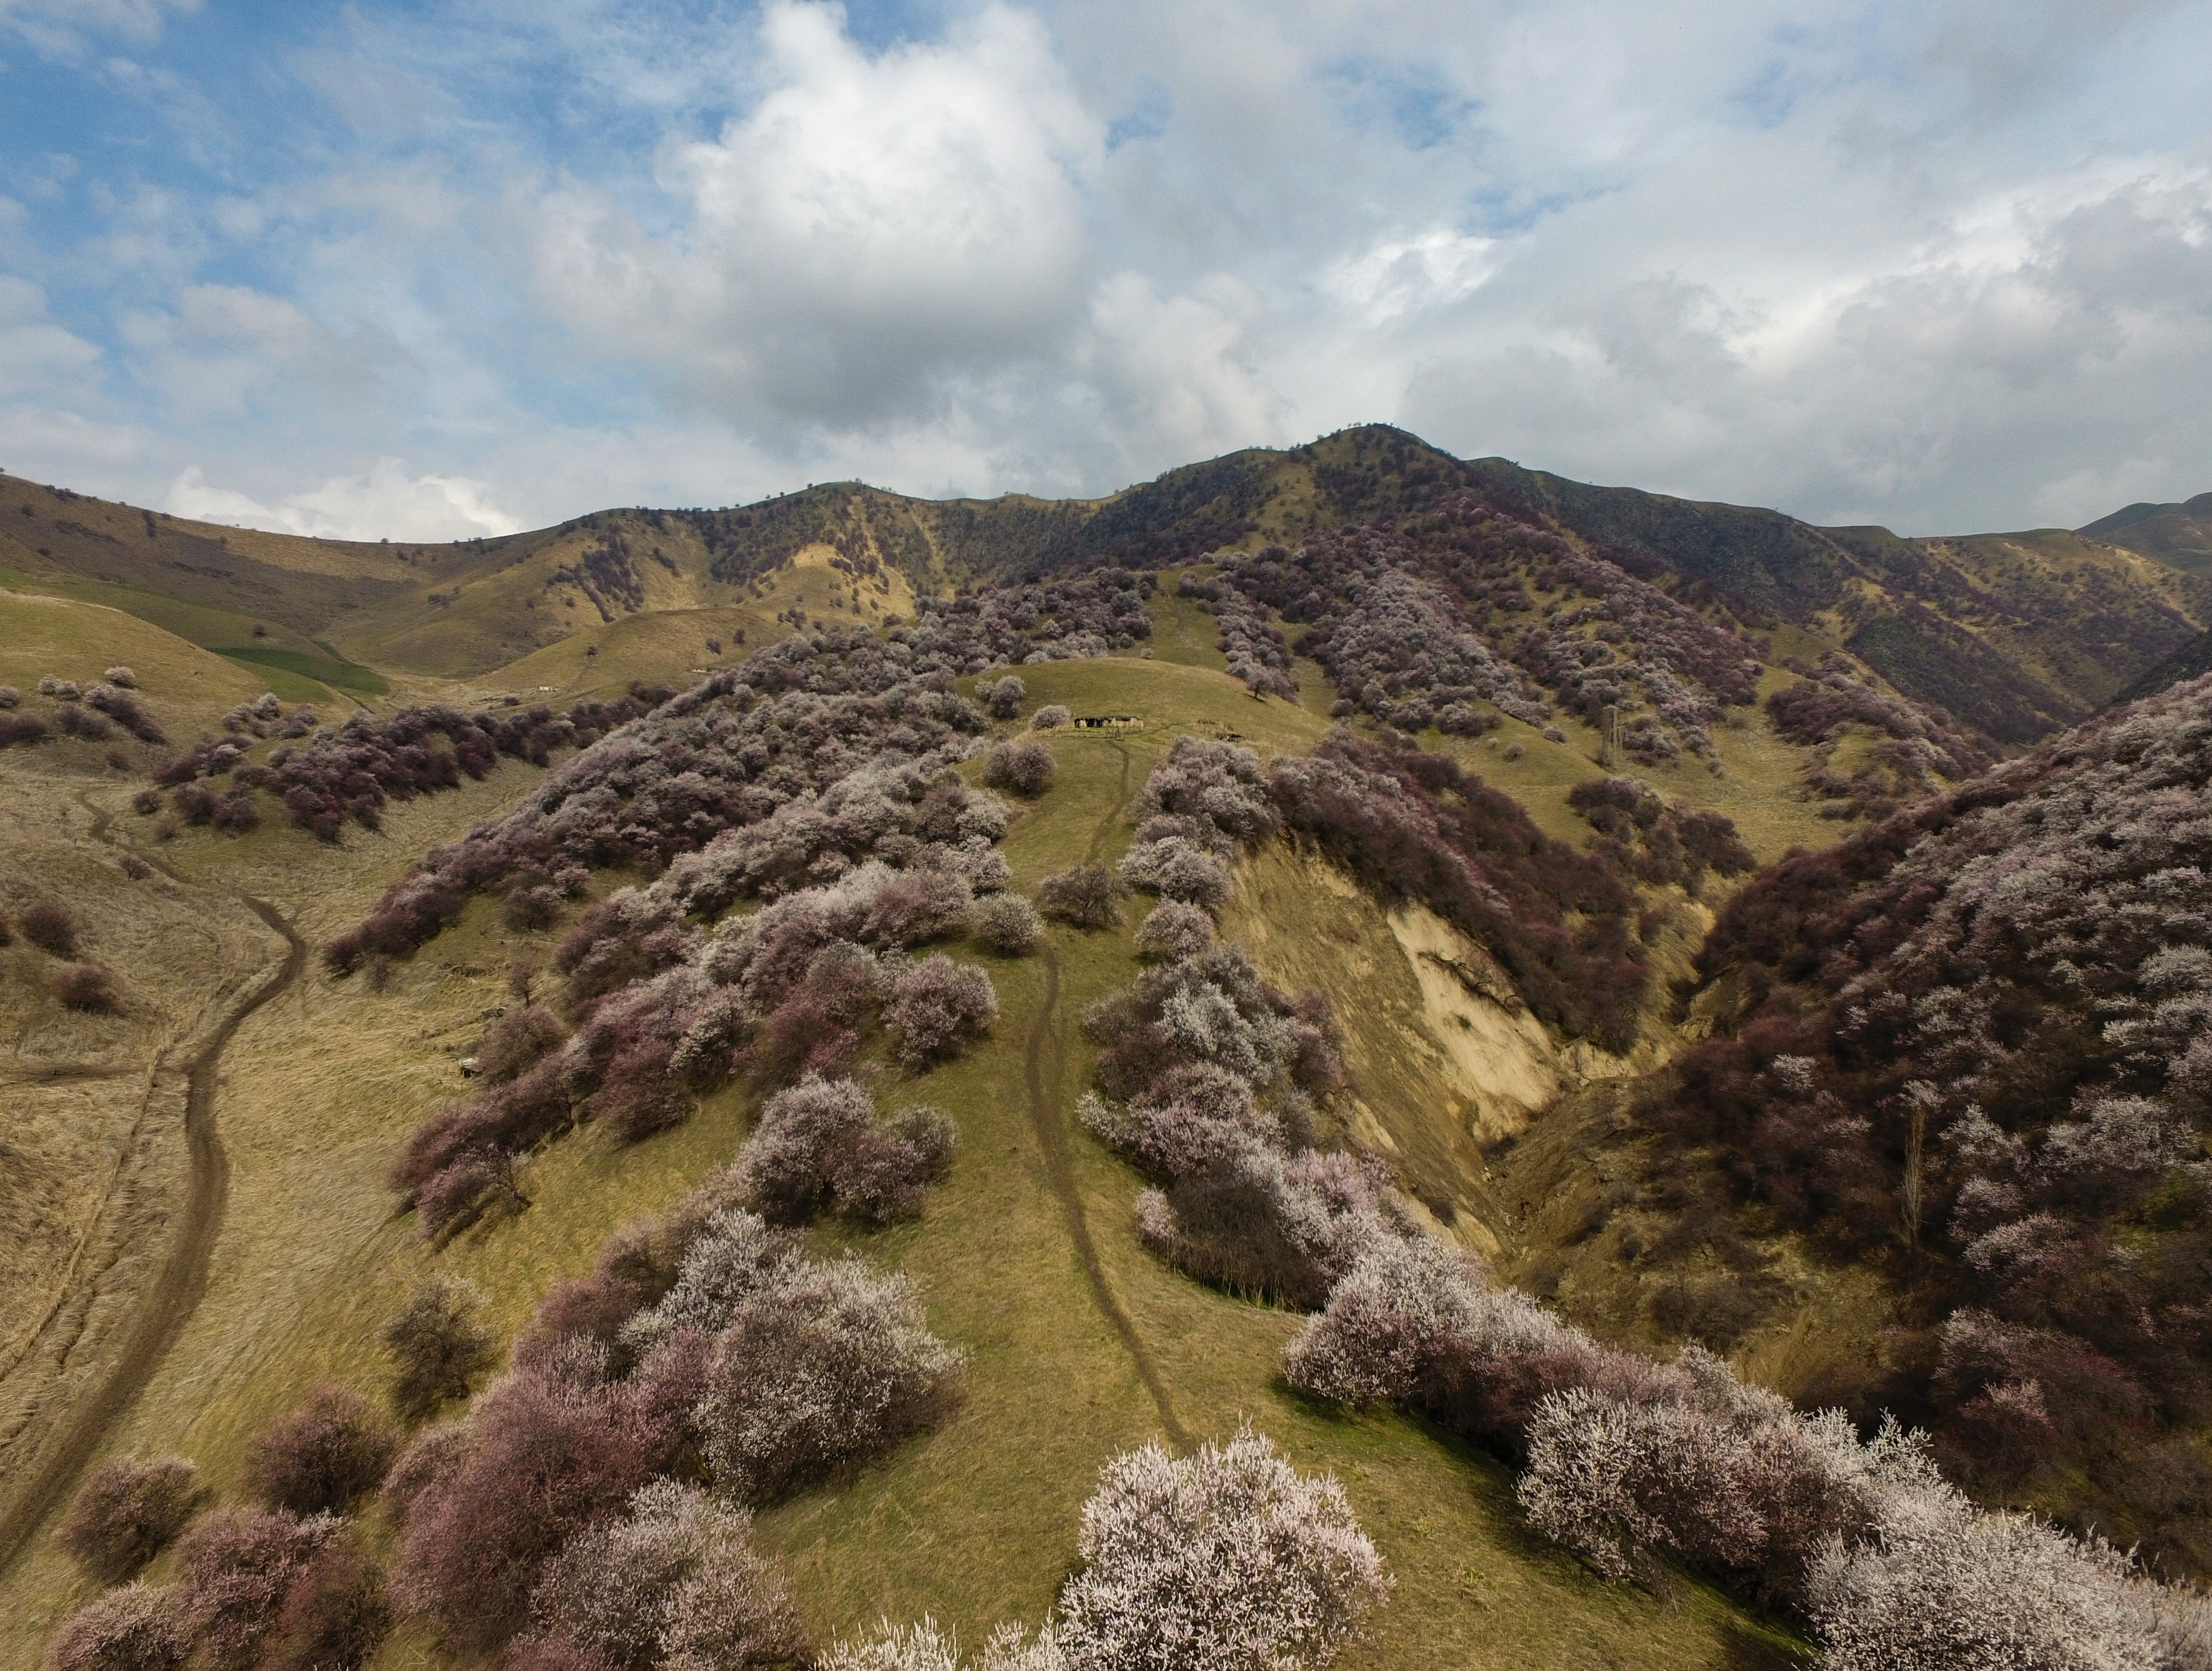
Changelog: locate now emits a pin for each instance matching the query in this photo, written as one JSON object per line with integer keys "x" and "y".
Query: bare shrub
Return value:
{"x": 517, "y": 1041}
{"x": 1025, "y": 767}
{"x": 9, "y": 696}
{"x": 52, "y": 928}
{"x": 335, "y": 1614}
{"x": 131, "y": 1629}
{"x": 1088, "y": 897}
{"x": 127, "y": 1512}
{"x": 1173, "y": 930}
{"x": 1225, "y": 1560}
{"x": 438, "y": 1343}
{"x": 89, "y": 988}
{"x": 1004, "y": 699}
{"x": 324, "y": 1456}
{"x": 122, "y": 677}
{"x": 937, "y": 1006}
{"x": 1005, "y": 924}
{"x": 1051, "y": 717}
{"x": 674, "y": 1583}
{"x": 828, "y": 1364}
{"x": 24, "y": 728}
{"x": 531, "y": 907}
{"x": 72, "y": 719}
{"x": 235, "y": 1567}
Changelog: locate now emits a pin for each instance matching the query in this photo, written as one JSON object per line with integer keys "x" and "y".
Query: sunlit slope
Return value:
{"x": 2016, "y": 635}
{"x": 976, "y": 1521}
{"x": 184, "y": 688}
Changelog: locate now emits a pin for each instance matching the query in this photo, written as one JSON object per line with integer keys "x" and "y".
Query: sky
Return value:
{"x": 423, "y": 270}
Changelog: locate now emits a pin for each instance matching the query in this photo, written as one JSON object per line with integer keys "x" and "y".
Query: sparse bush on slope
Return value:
{"x": 439, "y": 1343}
{"x": 52, "y": 928}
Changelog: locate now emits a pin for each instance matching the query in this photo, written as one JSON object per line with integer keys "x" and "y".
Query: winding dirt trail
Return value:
{"x": 1044, "y": 1059}
{"x": 170, "y": 1299}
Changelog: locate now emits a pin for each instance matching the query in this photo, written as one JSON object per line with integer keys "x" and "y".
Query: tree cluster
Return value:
{"x": 1975, "y": 1034}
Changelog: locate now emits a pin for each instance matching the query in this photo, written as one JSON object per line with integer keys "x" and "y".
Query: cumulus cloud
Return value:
{"x": 1940, "y": 266}
{"x": 382, "y": 502}
{"x": 871, "y": 224}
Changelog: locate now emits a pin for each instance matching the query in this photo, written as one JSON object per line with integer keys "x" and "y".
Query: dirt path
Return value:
{"x": 1044, "y": 1059}
{"x": 170, "y": 1299}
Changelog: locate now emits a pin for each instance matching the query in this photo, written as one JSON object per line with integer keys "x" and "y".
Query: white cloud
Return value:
{"x": 382, "y": 502}
{"x": 65, "y": 27}
{"x": 227, "y": 344}
{"x": 34, "y": 349}
{"x": 871, "y": 224}
{"x": 1942, "y": 267}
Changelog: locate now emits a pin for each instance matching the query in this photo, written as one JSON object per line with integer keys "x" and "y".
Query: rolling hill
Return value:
{"x": 1505, "y": 851}
{"x": 2179, "y": 534}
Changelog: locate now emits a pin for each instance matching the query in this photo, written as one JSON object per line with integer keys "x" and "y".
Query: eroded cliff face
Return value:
{"x": 1445, "y": 1060}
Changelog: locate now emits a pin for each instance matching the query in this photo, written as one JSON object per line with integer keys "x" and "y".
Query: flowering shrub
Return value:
{"x": 1088, "y": 897}
{"x": 548, "y": 1450}
{"x": 937, "y": 1006}
{"x": 1225, "y": 1560}
{"x": 675, "y": 1582}
{"x": 234, "y": 1568}
{"x": 518, "y": 1042}
{"x": 335, "y": 1615}
{"x": 1172, "y": 932}
{"x": 324, "y": 1456}
{"x": 822, "y": 1365}
{"x": 1005, "y": 924}
{"x": 1003, "y": 698}
{"x": 1099, "y": 613}
{"x": 1974, "y": 1026}
{"x": 131, "y": 1629}
{"x": 1024, "y": 768}
{"x": 819, "y": 1142}
{"x": 127, "y": 1512}
{"x": 1655, "y": 843}
{"x": 1413, "y": 825}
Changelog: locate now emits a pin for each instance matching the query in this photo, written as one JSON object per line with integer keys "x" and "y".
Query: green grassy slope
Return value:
{"x": 1071, "y": 1359}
